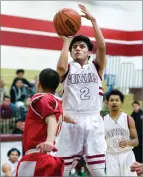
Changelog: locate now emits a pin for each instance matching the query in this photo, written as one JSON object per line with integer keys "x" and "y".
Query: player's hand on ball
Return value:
{"x": 87, "y": 15}
{"x": 66, "y": 38}
{"x": 45, "y": 147}
{"x": 123, "y": 144}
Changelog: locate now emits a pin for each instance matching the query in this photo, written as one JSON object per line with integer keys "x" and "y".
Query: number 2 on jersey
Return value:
{"x": 84, "y": 93}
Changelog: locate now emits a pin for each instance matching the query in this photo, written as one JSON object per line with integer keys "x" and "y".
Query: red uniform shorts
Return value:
{"x": 40, "y": 164}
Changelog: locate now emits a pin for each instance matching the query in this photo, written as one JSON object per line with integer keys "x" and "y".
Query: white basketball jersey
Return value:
{"x": 81, "y": 88}
{"x": 115, "y": 131}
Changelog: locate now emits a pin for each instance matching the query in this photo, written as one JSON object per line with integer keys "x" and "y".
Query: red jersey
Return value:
{"x": 42, "y": 105}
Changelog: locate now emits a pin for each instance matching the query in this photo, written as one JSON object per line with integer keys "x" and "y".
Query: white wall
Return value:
{"x": 20, "y": 57}
{"x": 37, "y": 59}
{"x": 125, "y": 15}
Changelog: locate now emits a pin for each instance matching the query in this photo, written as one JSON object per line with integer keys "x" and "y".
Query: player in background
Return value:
{"x": 42, "y": 125}
{"x": 121, "y": 137}
{"x": 81, "y": 81}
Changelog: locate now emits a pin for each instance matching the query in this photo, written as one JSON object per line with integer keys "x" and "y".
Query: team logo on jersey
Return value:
{"x": 116, "y": 132}
{"x": 82, "y": 78}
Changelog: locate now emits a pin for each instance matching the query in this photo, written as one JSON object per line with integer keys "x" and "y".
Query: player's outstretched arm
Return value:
{"x": 48, "y": 145}
{"x": 62, "y": 65}
{"x": 100, "y": 42}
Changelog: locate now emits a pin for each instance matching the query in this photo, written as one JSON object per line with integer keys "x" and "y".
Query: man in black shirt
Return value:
{"x": 137, "y": 115}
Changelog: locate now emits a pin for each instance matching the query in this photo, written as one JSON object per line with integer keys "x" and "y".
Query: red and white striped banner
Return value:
{"x": 40, "y": 34}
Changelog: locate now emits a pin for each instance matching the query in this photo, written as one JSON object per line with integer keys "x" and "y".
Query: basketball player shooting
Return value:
{"x": 42, "y": 125}
{"x": 81, "y": 82}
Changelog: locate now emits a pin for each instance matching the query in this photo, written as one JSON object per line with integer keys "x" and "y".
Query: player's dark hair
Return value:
{"x": 12, "y": 150}
{"x": 136, "y": 102}
{"x": 49, "y": 79}
{"x": 84, "y": 39}
{"x": 115, "y": 92}
{"x": 20, "y": 71}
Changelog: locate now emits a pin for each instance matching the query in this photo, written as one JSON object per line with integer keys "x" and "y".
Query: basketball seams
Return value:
{"x": 70, "y": 10}
{"x": 56, "y": 23}
{"x": 71, "y": 18}
{"x": 64, "y": 24}
{"x": 58, "y": 27}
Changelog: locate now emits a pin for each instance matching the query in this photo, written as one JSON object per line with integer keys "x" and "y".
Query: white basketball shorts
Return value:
{"x": 119, "y": 164}
{"x": 84, "y": 138}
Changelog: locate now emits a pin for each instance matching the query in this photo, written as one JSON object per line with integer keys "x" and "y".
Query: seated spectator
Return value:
{"x": 28, "y": 86}
{"x": 9, "y": 168}
{"x": 20, "y": 75}
{"x": 3, "y": 91}
{"x": 21, "y": 121}
{"x": 17, "y": 93}
{"x": 6, "y": 109}
{"x": 8, "y": 113}
{"x": 59, "y": 93}
{"x": 34, "y": 82}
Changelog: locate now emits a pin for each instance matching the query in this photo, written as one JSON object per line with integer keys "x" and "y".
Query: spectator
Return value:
{"x": 7, "y": 113}
{"x": 59, "y": 93}
{"x": 21, "y": 122}
{"x": 9, "y": 168}
{"x": 81, "y": 168}
{"x": 6, "y": 109}
{"x": 3, "y": 91}
{"x": 104, "y": 110}
{"x": 34, "y": 82}
{"x": 20, "y": 75}
{"x": 137, "y": 115}
{"x": 28, "y": 86}
{"x": 18, "y": 93}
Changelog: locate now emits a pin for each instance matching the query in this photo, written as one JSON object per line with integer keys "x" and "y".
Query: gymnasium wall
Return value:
{"x": 29, "y": 41}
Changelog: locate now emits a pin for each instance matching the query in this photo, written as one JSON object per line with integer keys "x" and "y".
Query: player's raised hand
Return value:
{"x": 87, "y": 14}
{"x": 46, "y": 146}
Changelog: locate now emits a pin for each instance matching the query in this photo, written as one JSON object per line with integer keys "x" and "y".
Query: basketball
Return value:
{"x": 67, "y": 22}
